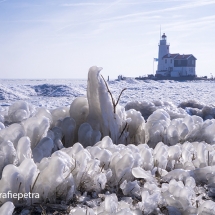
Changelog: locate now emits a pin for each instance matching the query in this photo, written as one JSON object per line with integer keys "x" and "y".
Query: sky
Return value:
{"x": 64, "y": 38}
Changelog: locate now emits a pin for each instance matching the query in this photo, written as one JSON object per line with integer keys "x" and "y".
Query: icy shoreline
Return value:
{"x": 102, "y": 158}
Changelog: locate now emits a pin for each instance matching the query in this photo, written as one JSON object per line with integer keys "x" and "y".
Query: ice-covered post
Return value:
{"x": 102, "y": 115}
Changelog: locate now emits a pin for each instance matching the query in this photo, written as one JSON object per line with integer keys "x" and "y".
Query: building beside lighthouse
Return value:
{"x": 174, "y": 65}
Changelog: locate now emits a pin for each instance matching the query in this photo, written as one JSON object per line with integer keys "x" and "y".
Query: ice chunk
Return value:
{"x": 82, "y": 211}
{"x": 149, "y": 202}
{"x": 147, "y": 157}
{"x": 68, "y": 126}
{"x": 79, "y": 110}
{"x": 188, "y": 152}
{"x": 201, "y": 153}
{"x": 43, "y": 149}
{"x": 190, "y": 182}
{"x": 136, "y": 127}
{"x": 182, "y": 130}
{"x": 208, "y": 207}
{"x": 2, "y": 126}
{"x": 188, "y": 120}
{"x": 18, "y": 179}
{"x": 172, "y": 134}
{"x": 147, "y": 108}
{"x": 130, "y": 188}
{"x": 202, "y": 175}
{"x": 178, "y": 195}
{"x": 7, "y": 154}
{"x": 1, "y": 118}
{"x": 104, "y": 156}
{"x": 58, "y": 114}
{"x": 138, "y": 172}
{"x": 36, "y": 128}
{"x": 174, "y": 152}
{"x": 28, "y": 170}
{"x": 156, "y": 126}
{"x": 19, "y": 111}
{"x": 105, "y": 143}
{"x": 82, "y": 158}
{"x": 12, "y": 133}
{"x": 178, "y": 174}
{"x": 58, "y": 135}
{"x": 77, "y": 147}
{"x": 61, "y": 182}
{"x": 24, "y": 149}
{"x": 42, "y": 111}
{"x": 87, "y": 136}
{"x": 7, "y": 208}
{"x": 111, "y": 203}
{"x": 161, "y": 155}
{"x": 123, "y": 168}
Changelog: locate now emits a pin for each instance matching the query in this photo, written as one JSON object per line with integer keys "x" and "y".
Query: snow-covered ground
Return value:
{"x": 83, "y": 153}
{"x": 55, "y": 93}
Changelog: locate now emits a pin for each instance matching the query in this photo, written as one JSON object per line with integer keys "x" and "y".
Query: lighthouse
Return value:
{"x": 162, "y": 51}
{"x": 174, "y": 65}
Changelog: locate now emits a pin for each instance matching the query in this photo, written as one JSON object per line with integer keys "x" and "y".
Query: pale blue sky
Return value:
{"x": 63, "y": 38}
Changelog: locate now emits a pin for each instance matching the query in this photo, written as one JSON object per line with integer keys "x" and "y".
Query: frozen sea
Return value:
{"x": 52, "y": 93}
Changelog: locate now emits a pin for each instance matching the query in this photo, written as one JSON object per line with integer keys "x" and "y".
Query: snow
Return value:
{"x": 151, "y": 153}
{"x": 136, "y": 90}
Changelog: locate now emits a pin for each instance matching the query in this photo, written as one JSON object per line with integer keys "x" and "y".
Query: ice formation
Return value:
{"x": 87, "y": 136}
{"x": 147, "y": 108}
{"x": 19, "y": 111}
{"x": 7, "y": 208}
{"x": 79, "y": 110}
{"x": 68, "y": 126}
{"x": 103, "y": 115}
{"x": 103, "y": 158}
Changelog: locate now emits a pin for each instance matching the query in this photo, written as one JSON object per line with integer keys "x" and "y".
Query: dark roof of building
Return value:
{"x": 179, "y": 56}
{"x": 170, "y": 55}
{"x": 184, "y": 56}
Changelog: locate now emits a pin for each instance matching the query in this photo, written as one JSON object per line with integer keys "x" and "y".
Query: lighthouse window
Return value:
{"x": 179, "y": 62}
{"x": 193, "y": 62}
{"x": 165, "y": 60}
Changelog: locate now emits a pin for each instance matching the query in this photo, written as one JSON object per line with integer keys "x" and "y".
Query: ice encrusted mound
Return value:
{"x": 196, "y": 108}
{"x": 159, "y": 127}
{"x": 7, "y": 208}
{"x": 103, "y": 158}
{"x": 147, "y": 108}
{"x": 19, "y": 111}
{"x": 148, "y": 187}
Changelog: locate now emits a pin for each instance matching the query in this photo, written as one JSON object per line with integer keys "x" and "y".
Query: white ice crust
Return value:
{"x": 141, "y": 158}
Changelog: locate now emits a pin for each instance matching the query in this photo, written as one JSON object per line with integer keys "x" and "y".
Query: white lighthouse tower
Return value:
{"x": 162, "y": 51}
